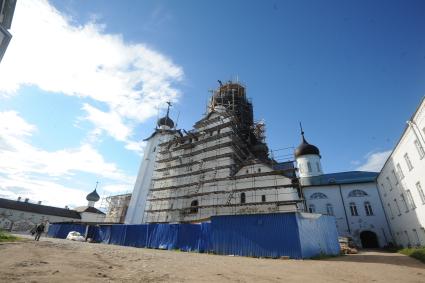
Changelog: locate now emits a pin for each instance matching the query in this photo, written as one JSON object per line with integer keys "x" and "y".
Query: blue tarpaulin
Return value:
{"x": 297, "y": 235}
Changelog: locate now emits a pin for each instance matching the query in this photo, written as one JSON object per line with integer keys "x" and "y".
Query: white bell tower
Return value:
{"x": 308, "y": 158}
{"x": 163, "y": 133}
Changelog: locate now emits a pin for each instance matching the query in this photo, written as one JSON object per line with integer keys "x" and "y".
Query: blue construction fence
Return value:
{"x": 295, "y": 235}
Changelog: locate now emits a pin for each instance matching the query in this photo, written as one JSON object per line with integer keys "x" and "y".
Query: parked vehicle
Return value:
{"x": 75, "y": 236}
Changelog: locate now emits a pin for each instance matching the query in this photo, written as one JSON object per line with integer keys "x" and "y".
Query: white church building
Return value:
{"x": 352, "y": 197}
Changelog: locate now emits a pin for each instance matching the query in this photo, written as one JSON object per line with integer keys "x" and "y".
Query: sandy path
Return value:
{"x": 54, "y": 260}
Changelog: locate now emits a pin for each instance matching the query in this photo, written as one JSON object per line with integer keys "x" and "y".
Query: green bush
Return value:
{"x": 418, "y": 253}
{"x": 6, "y": 237}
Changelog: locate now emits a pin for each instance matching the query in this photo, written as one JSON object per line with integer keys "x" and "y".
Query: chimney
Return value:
{"x": 27, "y": 199}
{"x": 19, "y": 198}
{"x": 39, "y": 202}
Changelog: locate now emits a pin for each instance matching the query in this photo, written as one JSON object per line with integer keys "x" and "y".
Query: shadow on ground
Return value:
{"x": 381, "y": 257}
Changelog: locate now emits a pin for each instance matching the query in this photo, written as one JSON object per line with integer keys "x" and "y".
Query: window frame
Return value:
{"x": 400, "y": 171}
{"x": 243, "y": 198}
{"x": 419, "y": 148}
{"x": 368, "y": 208}
{"x": 420, "y": 191}
{"x": 408, "y": 161}
{"x": 353, "y": 209}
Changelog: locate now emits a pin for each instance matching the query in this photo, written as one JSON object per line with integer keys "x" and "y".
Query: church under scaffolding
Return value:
{"x": 220, "y": 167}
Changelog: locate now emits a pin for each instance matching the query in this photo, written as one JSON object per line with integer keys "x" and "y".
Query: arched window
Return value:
{"x": 357, "y": 193}
{"x": 194, "y": 206}
{"x": 368, "y": 208}
{"x": 329, "y": 209}
{"x": 318, "y": 196}
{"x": 311, "y": 208}
{"x": 243, "y": 198}
{"x": 353, "y": 209}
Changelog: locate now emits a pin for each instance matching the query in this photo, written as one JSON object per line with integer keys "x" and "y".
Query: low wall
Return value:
{"x": 296, "y": 235}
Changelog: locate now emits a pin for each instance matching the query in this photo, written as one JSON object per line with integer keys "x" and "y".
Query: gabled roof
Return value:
{"x": 350, "y": 177}
{"x": 91, "y": 209}
{"x": 38, "y": 208}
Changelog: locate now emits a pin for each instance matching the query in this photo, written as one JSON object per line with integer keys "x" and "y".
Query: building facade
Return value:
{"x": 22, "y": 216}
{"x": 401, "y": 183}
{"x": 220, "y": 167}
{"x": 352, "y": 197}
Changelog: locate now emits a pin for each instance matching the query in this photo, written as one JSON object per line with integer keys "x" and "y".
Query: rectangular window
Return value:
{"x": 420, "y": 149}
{"x": 397, "y": 206}
{"x": 410, "y": 200}
{"x": 400, "y": 172}
{"x": 353, "y": 209}
{"x": 263, "y": 198}
{"x": 309, "y": 166}
{"x": 403, "y": 200}
{"x": 391, "y": 211}
{"x": 408, "y": 162}
{"x": 389, "y": 183}
{"x": 311, "y": 208}
{"x": 395, "y": 177}
{"x": 368, "y": 208}
{"x": 421, "y": 192}
{"x": 318, "y": 166}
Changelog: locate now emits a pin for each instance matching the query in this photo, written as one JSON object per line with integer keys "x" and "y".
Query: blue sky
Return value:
{"x": 80, "y": 86}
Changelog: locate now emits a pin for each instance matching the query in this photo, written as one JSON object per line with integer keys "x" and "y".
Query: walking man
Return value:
{"x": 39, "y": 230}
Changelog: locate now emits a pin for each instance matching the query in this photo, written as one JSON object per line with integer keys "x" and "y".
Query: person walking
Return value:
{"x": 39, "y": 230}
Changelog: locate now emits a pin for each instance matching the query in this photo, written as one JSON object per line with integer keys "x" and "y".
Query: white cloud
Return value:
{"x": 374, "y": 161}
{"x": 49, "y": 52}
{"x": 32, "y": 172}
{"x": 110, "y": 122}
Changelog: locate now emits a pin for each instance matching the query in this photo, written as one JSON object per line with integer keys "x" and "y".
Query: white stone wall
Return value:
{"x": 144, "y": 179}
{"x": 92, "y": 217}
{"x": 347, "y": 224}
{"x": 309, "y": 165}
{"x": 21, "y": 221}
{"x": 399, "y": 185}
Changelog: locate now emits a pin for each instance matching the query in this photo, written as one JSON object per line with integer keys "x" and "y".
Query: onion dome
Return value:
{"x": 305, "y": 148}
{"x": 93, "y": 196}
{"x": 165, "y": 121}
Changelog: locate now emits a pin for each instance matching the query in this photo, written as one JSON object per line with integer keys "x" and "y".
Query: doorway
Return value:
{"x": 369, "y": 240}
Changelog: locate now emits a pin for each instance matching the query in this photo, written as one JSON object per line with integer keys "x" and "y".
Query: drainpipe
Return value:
{"x": 345, "y": 211}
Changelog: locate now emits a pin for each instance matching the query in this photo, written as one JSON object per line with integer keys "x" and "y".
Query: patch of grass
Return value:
{"x": 6, "y": 237}
{"x": 418, "y": 253}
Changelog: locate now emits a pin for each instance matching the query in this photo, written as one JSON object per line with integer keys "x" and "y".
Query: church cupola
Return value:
{"x": 93, "y": 197}
{"x": 166, "y": 123}
{"x": 308, "y": 158}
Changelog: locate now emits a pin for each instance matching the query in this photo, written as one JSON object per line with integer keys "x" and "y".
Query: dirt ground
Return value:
{"x": 54, "y": 260}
